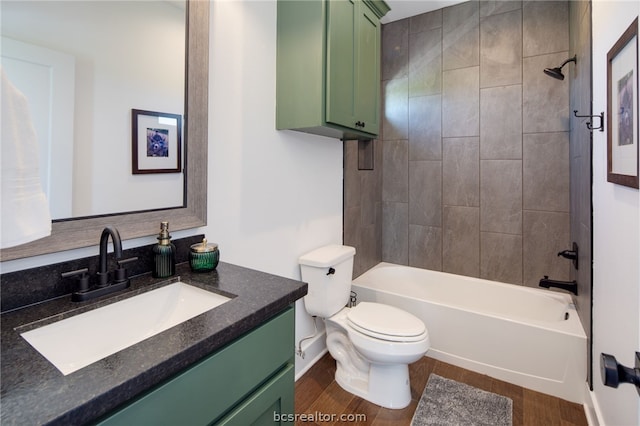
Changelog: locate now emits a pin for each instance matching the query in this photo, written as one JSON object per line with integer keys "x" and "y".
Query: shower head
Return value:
{"x": 554, "y": 72}
{"x": 557, "y": 72}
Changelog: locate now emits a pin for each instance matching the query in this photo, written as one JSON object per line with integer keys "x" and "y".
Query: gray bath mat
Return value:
{"x": 446, "y": 402}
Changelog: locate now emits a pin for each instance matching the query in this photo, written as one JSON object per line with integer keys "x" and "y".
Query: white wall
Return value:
{"x": 616, "y": 238}
{"x": 273, "y": 195}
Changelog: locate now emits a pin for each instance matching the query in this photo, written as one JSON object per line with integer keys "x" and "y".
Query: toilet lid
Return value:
{"x": 386, "y": 322}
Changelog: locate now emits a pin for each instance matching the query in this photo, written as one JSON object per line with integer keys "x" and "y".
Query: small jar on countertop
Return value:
{"x": 204, "y": 257}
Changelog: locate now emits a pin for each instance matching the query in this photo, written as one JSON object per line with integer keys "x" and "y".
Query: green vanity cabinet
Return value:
{"x": 244, "y": 383}
{"x": 328, "y": 67}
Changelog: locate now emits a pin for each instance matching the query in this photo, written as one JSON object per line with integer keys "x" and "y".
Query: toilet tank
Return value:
{"x": 328, "y": 272}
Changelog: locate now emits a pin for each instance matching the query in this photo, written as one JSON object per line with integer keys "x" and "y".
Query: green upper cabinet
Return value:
{"x": 328, "y": 59}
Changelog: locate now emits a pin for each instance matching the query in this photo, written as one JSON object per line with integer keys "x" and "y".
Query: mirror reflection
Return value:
{"x": 84, "y": 66}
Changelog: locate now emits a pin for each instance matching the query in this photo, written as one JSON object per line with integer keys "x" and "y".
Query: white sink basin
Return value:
{"x": 73, "y": 343}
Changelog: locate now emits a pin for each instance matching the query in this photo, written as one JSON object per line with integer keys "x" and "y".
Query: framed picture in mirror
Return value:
{"x": 156, "y": 142}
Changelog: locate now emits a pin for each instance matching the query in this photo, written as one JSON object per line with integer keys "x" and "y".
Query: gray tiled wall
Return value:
{"x": 363, "y": 207}
{"x": 474, "y": 144}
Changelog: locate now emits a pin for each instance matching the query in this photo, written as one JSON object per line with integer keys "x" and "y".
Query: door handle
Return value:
{"x": 613, "y": 373}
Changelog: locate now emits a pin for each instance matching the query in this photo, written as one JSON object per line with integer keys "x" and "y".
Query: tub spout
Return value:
{"x": 571, "y": 286}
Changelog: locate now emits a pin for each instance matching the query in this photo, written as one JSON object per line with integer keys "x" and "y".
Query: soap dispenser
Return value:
{"x": 164, "y": 254}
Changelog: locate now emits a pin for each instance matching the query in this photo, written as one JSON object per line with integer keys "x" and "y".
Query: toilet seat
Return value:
{"x": 386, "y": 323}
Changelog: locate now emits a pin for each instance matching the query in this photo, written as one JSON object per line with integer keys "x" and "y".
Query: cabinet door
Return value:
{"x": 272, "y": 404}
{"x": 367, "y": 77}
{"x": 341, "y": 63}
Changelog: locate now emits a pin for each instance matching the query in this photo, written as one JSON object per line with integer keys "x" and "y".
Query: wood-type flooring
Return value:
{"x": 319, "y": 397}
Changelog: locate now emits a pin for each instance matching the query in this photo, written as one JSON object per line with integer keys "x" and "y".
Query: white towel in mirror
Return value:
{"x": 25, "y": 210}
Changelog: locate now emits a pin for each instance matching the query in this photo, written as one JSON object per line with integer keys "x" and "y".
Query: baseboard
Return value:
{"x": 591, "y": 408}
{"x": 313, "y": 350}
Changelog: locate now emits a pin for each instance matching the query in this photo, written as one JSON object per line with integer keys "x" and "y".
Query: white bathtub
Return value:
{"x": 526, "y": 336}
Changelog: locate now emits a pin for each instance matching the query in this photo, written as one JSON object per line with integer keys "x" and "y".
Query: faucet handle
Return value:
{"x": 74, "y": 273}
{"x": 121, "y": 262}
{"x": 82, "y": 278}
{"x": 571, "y": 254}
{"x": 121, "y": 272}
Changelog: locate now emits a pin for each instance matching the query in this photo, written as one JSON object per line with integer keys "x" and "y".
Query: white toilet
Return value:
{"x": 373, "y": 344}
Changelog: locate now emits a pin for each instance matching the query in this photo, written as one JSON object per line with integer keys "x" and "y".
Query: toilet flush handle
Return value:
{"x": 331, "y": 271}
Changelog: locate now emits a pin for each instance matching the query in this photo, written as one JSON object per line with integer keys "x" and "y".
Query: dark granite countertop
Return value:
{"x": 35, "y": 392}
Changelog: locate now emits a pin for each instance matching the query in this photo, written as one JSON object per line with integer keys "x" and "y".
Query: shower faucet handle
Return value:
{"x": 571, "y": 254}
{"x": 568, "y": 254}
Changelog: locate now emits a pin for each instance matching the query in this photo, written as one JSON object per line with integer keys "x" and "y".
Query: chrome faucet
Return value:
{"x": 108, "y": 281}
